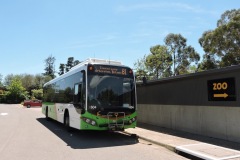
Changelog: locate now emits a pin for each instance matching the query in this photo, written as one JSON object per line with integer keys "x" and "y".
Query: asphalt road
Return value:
{"x": 26, "y": 135}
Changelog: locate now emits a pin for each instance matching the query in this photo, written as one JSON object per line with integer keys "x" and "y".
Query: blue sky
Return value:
{"x": 124, "y": 30}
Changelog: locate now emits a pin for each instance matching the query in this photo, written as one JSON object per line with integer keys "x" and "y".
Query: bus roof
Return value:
{"x": 76, "y": 68}
{"x": 97, "y": 61}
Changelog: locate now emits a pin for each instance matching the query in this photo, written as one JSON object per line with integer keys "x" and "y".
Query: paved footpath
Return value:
{"x": 190, "y": 144}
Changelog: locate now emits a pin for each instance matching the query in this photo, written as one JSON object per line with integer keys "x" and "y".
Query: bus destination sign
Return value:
{"x": 221, "y": 90}
{"x": 111, "y": 70}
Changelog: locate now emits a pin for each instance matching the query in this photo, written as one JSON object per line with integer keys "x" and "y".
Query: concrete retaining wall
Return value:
{"x": 211, "y": 121}
{"x": 195, "y": 113}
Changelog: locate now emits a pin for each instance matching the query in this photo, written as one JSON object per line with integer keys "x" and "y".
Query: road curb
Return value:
{"x": 167, "y": 146}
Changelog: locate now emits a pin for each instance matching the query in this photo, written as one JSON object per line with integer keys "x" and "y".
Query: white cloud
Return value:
{"x": 164, "y": 6}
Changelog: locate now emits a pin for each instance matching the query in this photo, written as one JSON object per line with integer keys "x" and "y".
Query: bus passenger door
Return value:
{"x": 78, "y": 99}
{"x": 77, "y": 95}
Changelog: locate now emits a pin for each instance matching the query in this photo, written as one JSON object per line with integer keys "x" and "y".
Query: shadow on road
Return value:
{"x": 77, "y": 139}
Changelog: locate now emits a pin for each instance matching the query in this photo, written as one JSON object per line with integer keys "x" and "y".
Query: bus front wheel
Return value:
{"x": 47, "y": 118}
{"x": 67, "y": 121}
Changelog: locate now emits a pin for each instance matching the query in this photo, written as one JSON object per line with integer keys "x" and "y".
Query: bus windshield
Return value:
{"x": 110, "y": 93}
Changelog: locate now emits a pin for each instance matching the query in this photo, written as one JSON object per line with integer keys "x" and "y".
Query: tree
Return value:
{"x": 76, "y": 62}
{"x": 40, "y": 80}
{"x": 1, "y": 78}
{"x": 176, "y": 44}
{"x": 228, "y": 16}
{"x": 2, "y": 88}
{"x": 188, "y": 57}
{"x": 70, "y": 63}
{"x": 15, "y": 91}
{"x": 173, "y": 58}
{"x": 27, "y": 81}
{"x": 47, "y": 79}
{"x": 61, "y": 69}
{"x": 66, "y": 67}
{"x": 223, "y": 43}
{"x": 182, "y": 54}
{"x": 8, "y": 79}
{"x": 159, "y": 61}
{"x": 209, "y": 62}
{"x": 49, "y": 66}
{"x": 141, "y": 68}
{"x": 37, "y": 93}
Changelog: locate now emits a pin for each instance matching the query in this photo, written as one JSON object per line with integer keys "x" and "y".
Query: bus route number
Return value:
{"x": 124, "y": 71}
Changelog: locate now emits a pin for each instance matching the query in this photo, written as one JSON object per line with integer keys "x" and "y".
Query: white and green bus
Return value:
{"x": 94, "y": 95}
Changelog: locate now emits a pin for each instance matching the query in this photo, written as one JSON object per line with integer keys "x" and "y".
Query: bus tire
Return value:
{"x": 28, "y": 106}
{"x": 47, "y": 118}
{"x": 67, "y": 121}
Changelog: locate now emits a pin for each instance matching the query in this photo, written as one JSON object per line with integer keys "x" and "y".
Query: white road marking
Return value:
{"x": 214, "y": 152}
{"x": 3, "y": 114}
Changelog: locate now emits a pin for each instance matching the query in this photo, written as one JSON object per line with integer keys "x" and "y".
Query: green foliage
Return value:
{"x": 188, "y": 57}
{"x": 176, "y": 44}
{"x": 182, "y": 54}
{"x": 27, "y": 81}
{"x": 40, "y": 80}
{"x": 222, "y": 45}
{"x": 70, "y": 63}
{"x": 49, "y": 66}
{"x": 1, "y": 78}
{"x": 141, "y": 68}
{"x": 76, "y": 62}
{"x": 15, "y": 92}
{"x": 64, "y": 68}
{"x": 8, "y": 79}
{"x": 209, "y": 62}
{"x": 2, "y": 94}
{"x": 61, "y": 69}
{"x": 159, "y": 61}
{"x": 193, "y": 69}
{"x": 32, "y": 86}
{"x": 2, "y": 98}
{"x": 228, "y": 16}
{"x": 175, "y": 56}
{"x": 37, "y": 93}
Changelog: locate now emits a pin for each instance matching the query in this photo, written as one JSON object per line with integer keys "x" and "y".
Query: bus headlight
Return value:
{"x": 132, "y": 120}
{"x": 93, "y": 123}
{"x": 89, "y": 121}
